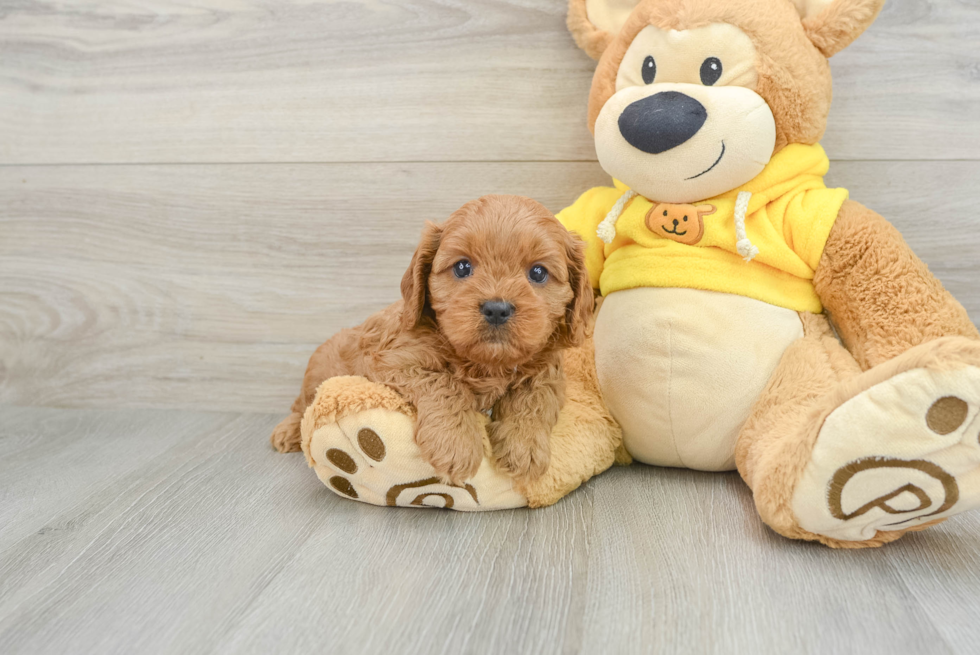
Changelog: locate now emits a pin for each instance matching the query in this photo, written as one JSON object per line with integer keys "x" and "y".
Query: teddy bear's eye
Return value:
{"x": 649, "y": 70}
{"x": 665, "y": 212}
{"x": 710, "y": 71}
{"x": 462, "y": 268}
{"x": 685, "y": 219}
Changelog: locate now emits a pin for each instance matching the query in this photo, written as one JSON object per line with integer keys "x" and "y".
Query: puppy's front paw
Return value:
{"x": 524, "y": 455}
{"x": 452, "y": 445}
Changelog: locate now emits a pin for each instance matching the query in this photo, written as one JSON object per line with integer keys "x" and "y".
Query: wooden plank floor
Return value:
{"x": 162, "y": 531}
{"x": 194, "y": 195}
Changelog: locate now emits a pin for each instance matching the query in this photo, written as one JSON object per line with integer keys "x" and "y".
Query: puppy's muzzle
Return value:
{"x": 662, "y": 121}
{"x": 496, "y": 312}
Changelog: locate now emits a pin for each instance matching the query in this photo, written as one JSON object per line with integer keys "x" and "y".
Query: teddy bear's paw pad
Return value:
{"x": 902, "y": 453}
{"x": 372, "y": 456}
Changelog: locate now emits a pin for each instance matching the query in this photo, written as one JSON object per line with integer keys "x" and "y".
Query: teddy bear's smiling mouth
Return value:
{"x": 674, "y": 231}
{"x": 717, "y": 161}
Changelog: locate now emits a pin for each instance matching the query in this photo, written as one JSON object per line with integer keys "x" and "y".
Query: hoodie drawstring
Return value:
{"x": 607, "y": 228}
{"x": 742, "y": 244}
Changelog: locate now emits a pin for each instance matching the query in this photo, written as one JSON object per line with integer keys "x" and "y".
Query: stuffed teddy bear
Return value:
{"x": 752, "y": 318}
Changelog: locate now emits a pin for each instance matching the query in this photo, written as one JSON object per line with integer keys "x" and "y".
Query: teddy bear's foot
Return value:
{"x": 359, "y": 437}
{"x": 899, "y": 452}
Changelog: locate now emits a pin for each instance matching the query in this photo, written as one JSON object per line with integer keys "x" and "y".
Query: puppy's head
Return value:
{"x": 502, "y": 280}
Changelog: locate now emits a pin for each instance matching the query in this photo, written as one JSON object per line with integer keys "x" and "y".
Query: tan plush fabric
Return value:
{"x": 583, "y": 444}
{"x": 588, "y": 37}
{"x": 775, "y": 444}
{"x": 609, "y": 15}
{"x": 907, "y": 340}
{"x": 794, "y": 77}
{"x": 815, "y": 377}
{"x": 345, "y": 395}
{"x": 359, "y": 438}
{"x": 878, "y": 465}
{"x": 682, "y": 368}
{"x": 832, "y": 26}
{"x": 586, "y": 440}
{"x": 893, "y": 316}
{"x": 882, "y": 298}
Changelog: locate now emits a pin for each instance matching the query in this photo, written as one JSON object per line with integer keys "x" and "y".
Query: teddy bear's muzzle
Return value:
{"x": 663, "y": 121}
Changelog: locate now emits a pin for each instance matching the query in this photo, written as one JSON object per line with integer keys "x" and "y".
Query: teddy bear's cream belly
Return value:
{"x": 680, "y": 369}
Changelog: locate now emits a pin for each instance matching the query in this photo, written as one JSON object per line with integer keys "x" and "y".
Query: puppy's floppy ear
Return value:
{"x": 594, "y": 23}
{"x": 832, "y": 25}
{"x": 415, "y": 282}
{"x": 577, "y": 324}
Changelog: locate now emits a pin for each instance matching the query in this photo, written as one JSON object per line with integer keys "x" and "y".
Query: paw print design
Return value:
{"x": 359, "y": 438}
{"x": 901, "y": 454}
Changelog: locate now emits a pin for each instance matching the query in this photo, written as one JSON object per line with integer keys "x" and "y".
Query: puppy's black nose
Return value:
{"x": 663, "y": 121}
{"x": 496, "y": 312}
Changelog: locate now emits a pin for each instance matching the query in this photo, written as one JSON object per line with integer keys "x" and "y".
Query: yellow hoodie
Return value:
{"x": 789, "y": 217}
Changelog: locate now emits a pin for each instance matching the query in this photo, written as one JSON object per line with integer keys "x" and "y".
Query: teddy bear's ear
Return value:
{"x": 594, "y": 23}
{"x": 832, "y": 25}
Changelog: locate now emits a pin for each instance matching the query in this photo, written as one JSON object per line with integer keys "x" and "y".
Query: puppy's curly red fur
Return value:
{"x": 437, "y": 349}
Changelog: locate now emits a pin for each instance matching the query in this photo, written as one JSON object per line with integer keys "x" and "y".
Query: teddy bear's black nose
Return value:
{"x": 497, "y": 312}
{"x": 662, "y": 121}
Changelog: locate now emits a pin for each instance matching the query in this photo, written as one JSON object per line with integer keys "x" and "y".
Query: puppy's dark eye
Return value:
{"x": 538, "y": 274}
{"x": 710, "y": 71}
{"x": 462, "y": 268}
{"x": 649, "y": 70}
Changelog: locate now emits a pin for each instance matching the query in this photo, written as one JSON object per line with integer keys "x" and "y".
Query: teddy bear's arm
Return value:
{"x": 583, "y": 218}
{"x": 879, "y": 294}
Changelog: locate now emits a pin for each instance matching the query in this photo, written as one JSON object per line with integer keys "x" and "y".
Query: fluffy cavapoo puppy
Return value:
{"x": 491, "y": 298}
